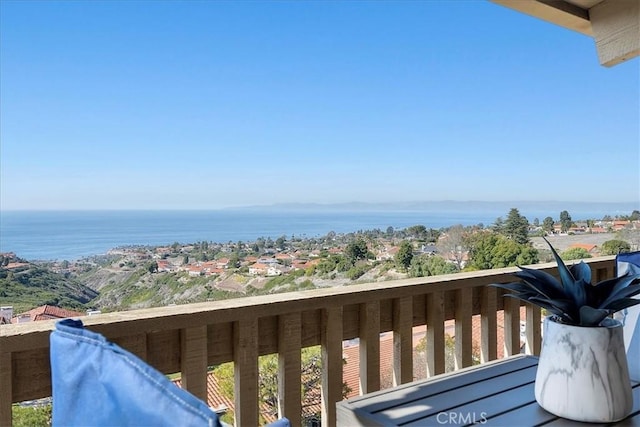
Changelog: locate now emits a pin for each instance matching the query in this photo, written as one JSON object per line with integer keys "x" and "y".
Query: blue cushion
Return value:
{"x": 97, "y": 383}
{"x": 630, "y": 317}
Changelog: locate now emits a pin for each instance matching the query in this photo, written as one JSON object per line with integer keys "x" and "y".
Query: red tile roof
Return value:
{"x": 586, "y": 246}
{"x": 47, "y": 312}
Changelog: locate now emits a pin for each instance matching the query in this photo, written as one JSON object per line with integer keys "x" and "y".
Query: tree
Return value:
{"x": 418, "y": 267}
{"x": 497, "y": 225}
{"x": 565, "y": 221}
{"x": 493, "y": 250}
{"x": 417, "y": 231}
{"x": 547, "y": 225}
{"x": 422, "y": 266}
{"x": 452, "y": 244}
{"x": 635, "y": 215}
{"x": 356, "y": 250}
{"x": 575, "y": 253}
{"x": 516, "y": 227}
{"x": 404, "y": 256}
{"x": 153, "y": 267}
{"x": 536, "y": 222}
{"x": 438, "y": 265}
{"x": 614, "y": 247}
{"x": 234, "y": 260}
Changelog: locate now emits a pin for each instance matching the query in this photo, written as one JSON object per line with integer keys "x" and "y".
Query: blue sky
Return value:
{"x": 203, "y": 105}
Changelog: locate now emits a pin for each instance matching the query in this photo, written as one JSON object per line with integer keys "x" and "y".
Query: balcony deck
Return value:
{"x": 189, "y": 338}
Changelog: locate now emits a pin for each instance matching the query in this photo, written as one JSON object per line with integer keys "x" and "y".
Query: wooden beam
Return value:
{"x": 369, "y": 347}
{"x": 511, "y": 326}
{"x": 488, "y": 325}
{"x": 557, "y": 12}
{"x": 616, "y": 30}
{"x": 245, "y": 363}
{"x": 533, "y": 341}
{"x": 402, "y": 340}
{"x": 6, "y": 382}
{"x": 463, "y": 341}
{"x": 193, "y": 360}
{"x": 331, "y": 391}
{"x": 435, "y": 333}
{"x": 289, "y": 367}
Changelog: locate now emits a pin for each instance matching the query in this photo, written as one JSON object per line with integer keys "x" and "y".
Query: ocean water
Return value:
{"x": 71, "y": 235}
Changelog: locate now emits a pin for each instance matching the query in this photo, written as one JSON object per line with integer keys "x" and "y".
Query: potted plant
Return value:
{"x": 582, "y": 372}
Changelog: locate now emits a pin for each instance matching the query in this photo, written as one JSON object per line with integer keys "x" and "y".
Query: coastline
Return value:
{"x": 73, "y": 235}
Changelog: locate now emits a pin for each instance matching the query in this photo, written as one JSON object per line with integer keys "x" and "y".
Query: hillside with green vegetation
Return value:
{"x": 31, "y": 286}
{"x": 142, "y": 277}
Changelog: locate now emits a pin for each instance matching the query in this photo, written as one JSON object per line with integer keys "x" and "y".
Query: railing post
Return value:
{"x": 245, "y": 364}
{"x": 6, "y": 386}
{"x": 488, "y": 325}
{"x": 402, "y": 340}
{"x": 435, "y": 333}
{"x": 463, "y": 325}
{"x": 369, "y": 347}
{"x": 193, "y": 360}
{"x": 289, "y": 367}
{"x": 511, "y": 326}
{"x": 533, "y": 337}
{"x": 331, "y": 342}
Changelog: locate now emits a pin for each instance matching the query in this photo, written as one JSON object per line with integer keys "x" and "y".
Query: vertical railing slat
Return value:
{"x": 435, "y": 333}
{"x": 533, "y": 338}
{"x": 331, "y": 342}
{"x": 369, "y": 347}
{"x": 245, "y": 363}
{"x": 463, "y": 325}
{"x": 193, "y": 360}
{"x": 511, "y": 326}
{"x": 6, "y": 385}
{"x": 289, "y": 367}
{"x": 402, "y": 340}
{"x": 488, "y": 325}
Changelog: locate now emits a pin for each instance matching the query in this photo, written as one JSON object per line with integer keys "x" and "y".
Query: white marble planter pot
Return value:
{"x": 582, "y": 373}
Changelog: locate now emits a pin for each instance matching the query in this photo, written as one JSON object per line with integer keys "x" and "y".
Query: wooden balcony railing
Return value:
{"x": 189, "y": 338}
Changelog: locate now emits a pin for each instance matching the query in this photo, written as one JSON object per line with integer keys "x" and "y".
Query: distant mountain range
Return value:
{"x": 612, "y": 208}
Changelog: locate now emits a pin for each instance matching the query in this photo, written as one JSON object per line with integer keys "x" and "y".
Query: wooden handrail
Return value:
{"x": 188, "y": 338}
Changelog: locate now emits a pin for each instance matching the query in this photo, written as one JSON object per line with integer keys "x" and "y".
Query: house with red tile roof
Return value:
{"x": 222, "y": 263}
{"x": 598, "y": 230}
{"x": 195, "y": 270}
{"x": 589, "y": 247}
{"x": 299, "y": 265}
{"x": 284, "y": 257}
{"x": 258, "y": 269}
{"x": 619, "y": 225}
{"x": 45, "y": 312}
{"x": 164, "y": 266}
{"x": 387, "y": 253}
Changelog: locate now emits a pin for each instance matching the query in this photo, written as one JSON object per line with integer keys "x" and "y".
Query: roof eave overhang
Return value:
{"x": 613, "y": 24}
